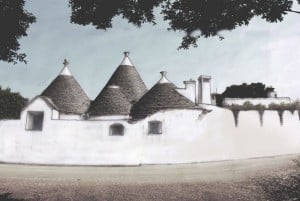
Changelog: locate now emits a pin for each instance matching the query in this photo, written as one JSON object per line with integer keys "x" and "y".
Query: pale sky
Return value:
{"x": 260, "y": 52}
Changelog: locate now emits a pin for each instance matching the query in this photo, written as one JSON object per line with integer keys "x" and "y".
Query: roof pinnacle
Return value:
{"x": 126, "y": 53}
{"x": 126, "y": 61}
{"x": 65, "y": 70}
{"x": 66, "y": 62}
{"x": 163, "y": 78}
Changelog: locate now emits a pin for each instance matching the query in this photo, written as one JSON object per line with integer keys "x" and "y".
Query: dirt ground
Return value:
{"x": 270, "y": 178}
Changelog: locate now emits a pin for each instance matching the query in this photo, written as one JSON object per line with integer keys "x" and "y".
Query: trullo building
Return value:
{"x": 128, "y": 124}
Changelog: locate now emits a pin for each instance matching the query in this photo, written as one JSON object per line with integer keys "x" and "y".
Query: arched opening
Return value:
{"x": 116, "y": 129}
{"x": 155, "y": 127}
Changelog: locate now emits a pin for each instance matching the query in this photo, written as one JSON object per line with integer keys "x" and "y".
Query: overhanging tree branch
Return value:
{"x": 14, "y": 22}
{"x": 204, "y": 17}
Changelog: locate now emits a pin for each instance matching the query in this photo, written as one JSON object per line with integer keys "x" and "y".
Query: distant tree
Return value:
{"x": 11, "y": 104}
{"x": 196, "y": 18}
{"x": 254, "y": 90}
{"x": 14, "y": 22}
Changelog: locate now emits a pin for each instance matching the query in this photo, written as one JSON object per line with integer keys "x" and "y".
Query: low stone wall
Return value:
{"x": 255, "y": 101}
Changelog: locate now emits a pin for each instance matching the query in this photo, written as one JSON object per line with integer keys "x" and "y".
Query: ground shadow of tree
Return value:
{"x": 283, "y": 188}
{"x": 7, "y": 197}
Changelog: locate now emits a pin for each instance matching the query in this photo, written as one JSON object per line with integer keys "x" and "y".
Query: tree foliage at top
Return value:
{"x": 14, "y": 22}
{"x": 253, "y": 90}
{"x": 11, "y": 104}
{"x": 196, "y": 18}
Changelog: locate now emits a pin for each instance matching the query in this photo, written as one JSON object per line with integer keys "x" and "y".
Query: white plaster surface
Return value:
{"x": 189, "y": 91}
{"x": 126, "y": 61}
{"x": 65, "y": 71}
{"x": 110, "y": 117}
{"x": 70, "y": 116}
{"x": 163, "y": 78}
{"x": 185, "y": 139}
{"x": 204, "y": 89}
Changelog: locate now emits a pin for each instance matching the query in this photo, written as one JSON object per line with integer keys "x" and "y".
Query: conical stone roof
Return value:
{"x": 161, "y": 96}
{"x": 110, "y": 101}
{"x": 129, "y": 80}
{"x": 67, "y": 94}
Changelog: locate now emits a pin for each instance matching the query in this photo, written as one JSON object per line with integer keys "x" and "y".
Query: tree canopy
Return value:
{"x": 196, "y": 18}
{"x": 253, "y": 90}
{"x": 11, "y": 104}
{"x": 14, "y": 22}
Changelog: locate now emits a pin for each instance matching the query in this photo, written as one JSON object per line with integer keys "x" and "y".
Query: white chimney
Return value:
{"x": 204, "y": 89}
{"x": 189, "y": 90}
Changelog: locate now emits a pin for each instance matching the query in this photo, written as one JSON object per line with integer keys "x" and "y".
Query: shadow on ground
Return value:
{"x": 7, "y": 197}
{"x": 282, "y": 188}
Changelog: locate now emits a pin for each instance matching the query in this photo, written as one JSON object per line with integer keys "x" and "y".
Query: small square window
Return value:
{"x": 117, "y": 129}
{"x": 155, "y": 127}
{"x": 34, "y": 121}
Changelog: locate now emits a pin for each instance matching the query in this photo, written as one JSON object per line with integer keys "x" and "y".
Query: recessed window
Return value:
{"x": 117, "y": 129}
{"x": 34, "y": 121}
{"x": 155, "y": 127}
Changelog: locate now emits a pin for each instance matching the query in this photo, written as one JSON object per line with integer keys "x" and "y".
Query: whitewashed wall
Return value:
{"x": 70, "y": 116}
{"x": 185, "y": 139}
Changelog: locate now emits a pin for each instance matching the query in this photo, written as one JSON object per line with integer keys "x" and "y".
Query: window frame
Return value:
{"x": 30, "y": 115}
{"x": 115, "y": 125}
{"x": 159, "y": 128}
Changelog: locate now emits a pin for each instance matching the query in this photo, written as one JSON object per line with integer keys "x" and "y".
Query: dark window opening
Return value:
{"x": 155, "y": 127}
{"x": 34, "y": 121}
{"x": 117, "y": 129}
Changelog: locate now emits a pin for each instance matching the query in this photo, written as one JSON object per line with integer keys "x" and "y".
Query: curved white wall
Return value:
{"x": 185, "y": 139}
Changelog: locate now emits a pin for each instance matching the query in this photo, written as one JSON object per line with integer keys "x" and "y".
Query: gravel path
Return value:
{"x": 228, "y": 180}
